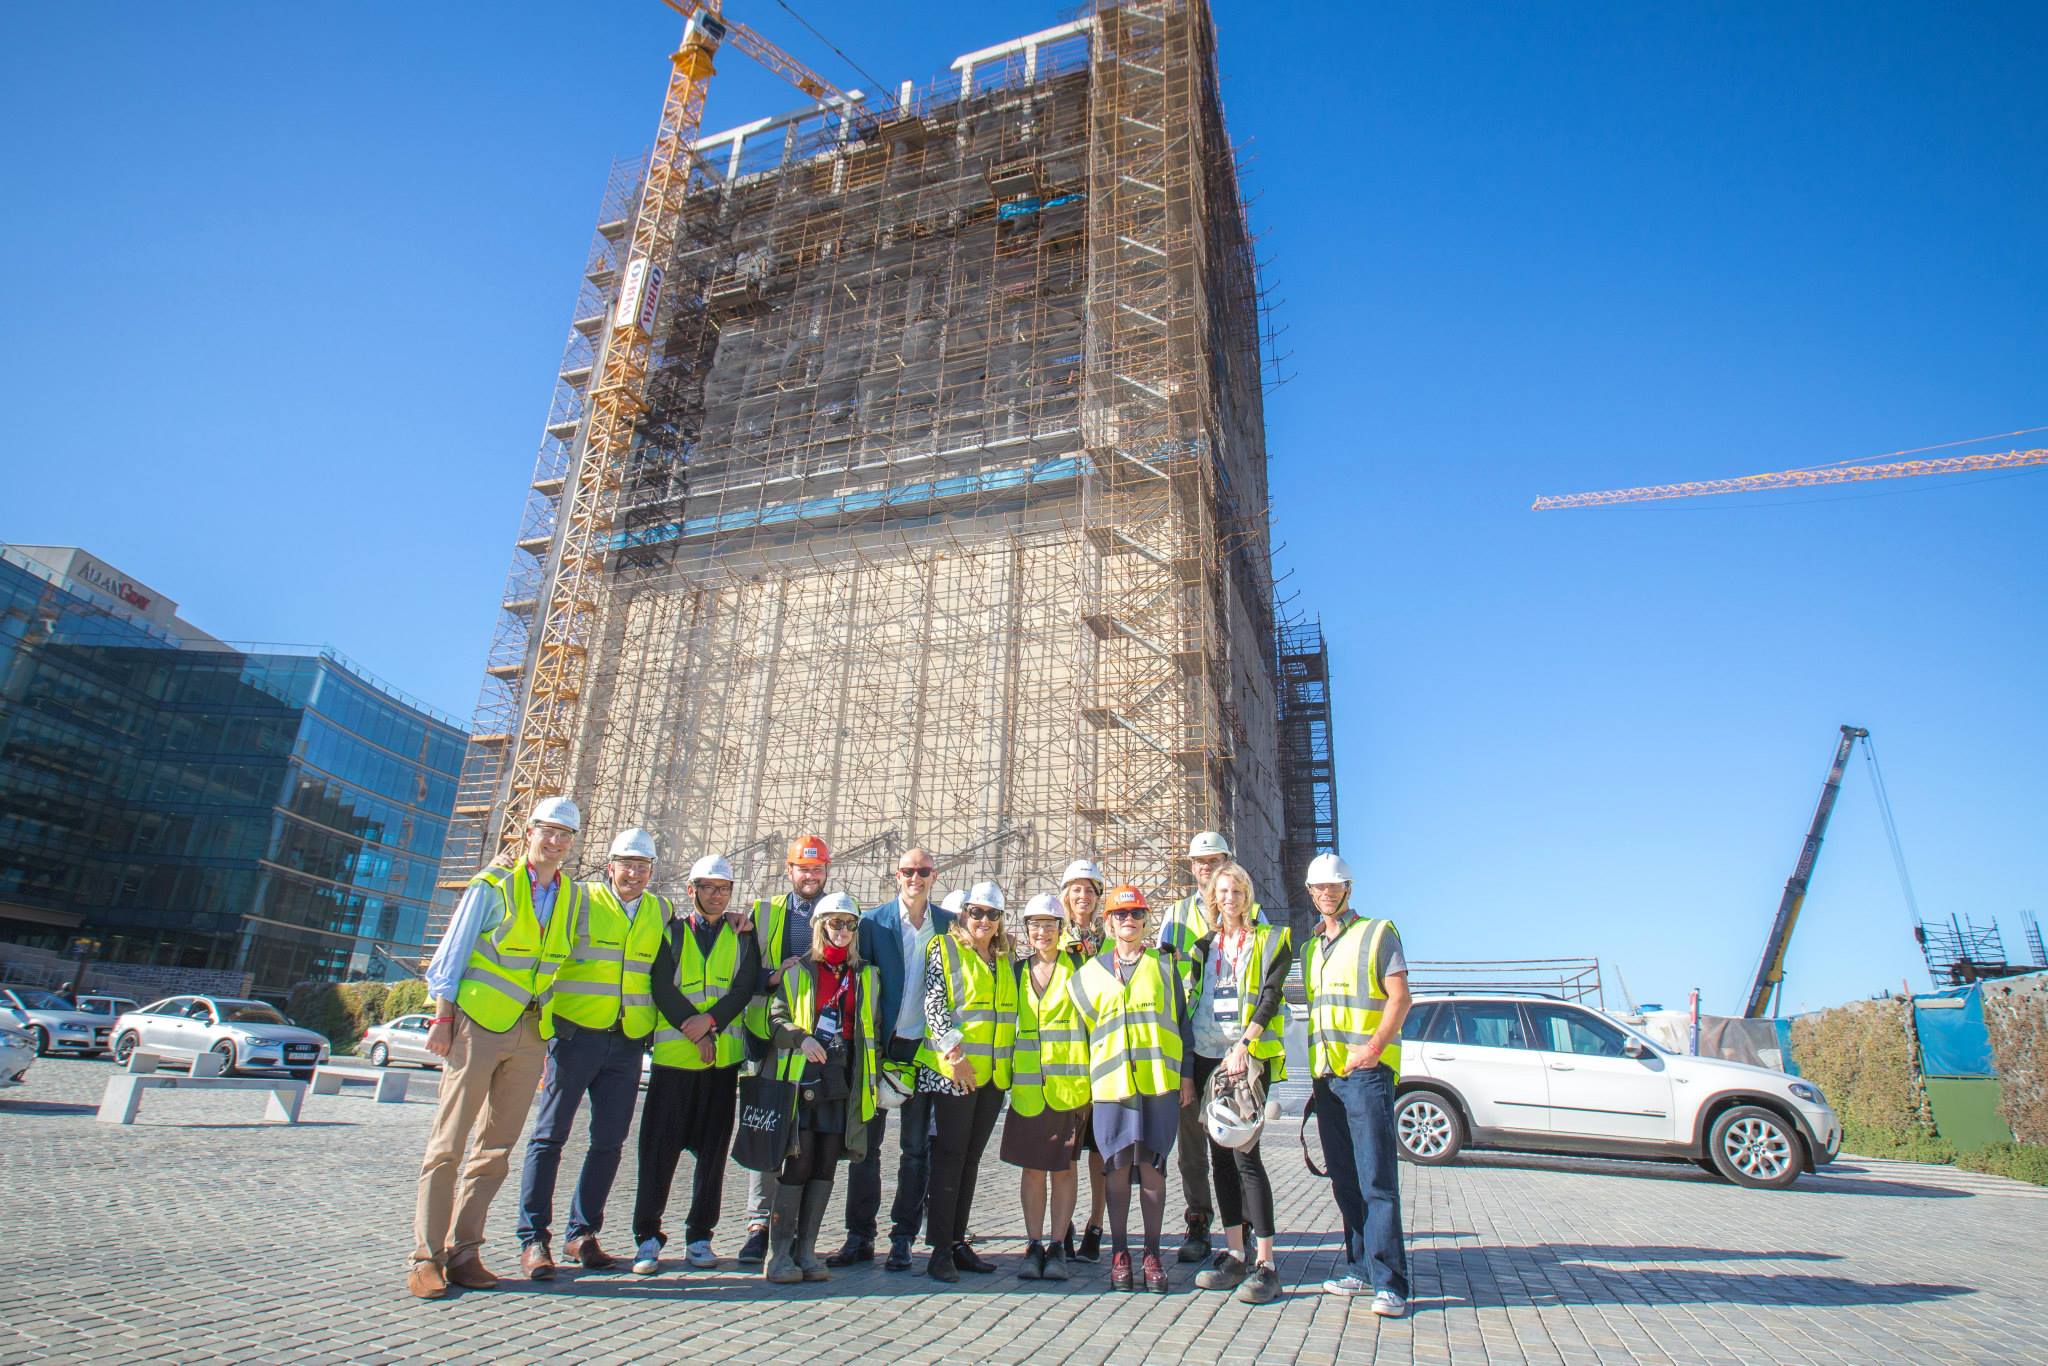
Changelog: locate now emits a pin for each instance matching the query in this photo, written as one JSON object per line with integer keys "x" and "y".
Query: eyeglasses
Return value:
{"x": 981, "y": 913}
{"x": 915, "y": 872}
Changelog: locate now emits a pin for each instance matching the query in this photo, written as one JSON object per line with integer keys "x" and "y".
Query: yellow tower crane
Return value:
{"x": 1806, "y": 478}
{"x": 618, "y": 399}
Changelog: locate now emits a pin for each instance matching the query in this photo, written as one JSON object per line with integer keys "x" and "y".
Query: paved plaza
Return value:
{"x": 202, "y": 1234}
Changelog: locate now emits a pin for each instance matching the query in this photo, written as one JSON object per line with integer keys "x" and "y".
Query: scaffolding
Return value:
{"x": 1308, "y": 771}
{"x": 1961, "y": 951}
{"x": 945, "y": 521}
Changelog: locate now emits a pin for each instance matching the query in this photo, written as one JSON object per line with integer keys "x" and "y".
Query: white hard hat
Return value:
{"x": 1207, "y": 843}
{"x": 556, "y": 811}
{"x": 1233, "y": 1114}
{"x": 953, "y": 901}
{"x": 985, "y": 894}
{"x": 891, "y": 1090}
{"x": 1043, "y": 907}
{"x": 712, "y": 868}
{"x": 1327, "y": 868}
{"x": 1081, "y": 870}
{"x": 634, "y": 843}
{"x": 835, "y": 903}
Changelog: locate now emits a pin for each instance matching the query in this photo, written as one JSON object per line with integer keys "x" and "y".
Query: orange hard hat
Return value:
{"x": 809, "y": 851}
{"x": 1125, "y": 898}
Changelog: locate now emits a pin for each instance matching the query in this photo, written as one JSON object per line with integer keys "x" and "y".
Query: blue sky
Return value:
{"x": 285, "y": 288}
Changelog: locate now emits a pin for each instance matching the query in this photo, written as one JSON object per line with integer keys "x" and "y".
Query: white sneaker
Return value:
{"x": 701, "y": 1256}
{"x": 1346, "y": 1284}
{"x": 1388, "y": 1305}
{"x": 648, "y": 1259}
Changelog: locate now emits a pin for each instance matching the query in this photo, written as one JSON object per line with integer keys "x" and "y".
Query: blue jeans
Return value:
{"x": 605, "y": 1065}
{"x": 913, "y": 1171}
{"x": 1356, "y": 1117}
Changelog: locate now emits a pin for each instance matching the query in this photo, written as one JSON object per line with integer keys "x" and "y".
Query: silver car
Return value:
{"x": 248, "y": 1035}
{"x": 401, "y": 1040}
{"x": 56, "y": 1026}
{"x": 109, "y": 1006}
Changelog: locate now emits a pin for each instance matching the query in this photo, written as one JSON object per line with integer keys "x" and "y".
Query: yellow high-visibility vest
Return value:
{"x": 702, "y": 979}
{"x": 1345, "y": 995}
{"x": 771, "y": 918}
{"x": 1052, "y": 1044}
{"x": 800, "y": 999}
{"x": 1133, "y": 1032}
{"x": 606, "y": 979}
{"x": 983, "y": 1000}
{"x": 1271, "y": 1047}
{"x": 513, "y": 965}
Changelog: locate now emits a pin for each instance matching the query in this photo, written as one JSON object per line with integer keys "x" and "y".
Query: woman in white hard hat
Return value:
{"x": 1048, "y": 1092}
{"x": 823, "y": 1032}
{"x": 970, "y": 1027}
{"x": 1241, "y": 969}
{"x": 1082, "y": 939}
{"x": 1132, "y": 1004}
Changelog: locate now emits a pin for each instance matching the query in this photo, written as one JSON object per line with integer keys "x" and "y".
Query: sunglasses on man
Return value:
{"x": 915, "y": 872}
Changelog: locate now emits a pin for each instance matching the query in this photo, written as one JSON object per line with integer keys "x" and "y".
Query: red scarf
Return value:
{"x": 834, "y": 978}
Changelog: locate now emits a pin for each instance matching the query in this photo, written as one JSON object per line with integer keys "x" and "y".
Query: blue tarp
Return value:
{"x": 1953, "y": 1039}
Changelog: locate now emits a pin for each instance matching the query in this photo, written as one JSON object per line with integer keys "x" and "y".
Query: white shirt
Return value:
{"x": 916, "y": 941}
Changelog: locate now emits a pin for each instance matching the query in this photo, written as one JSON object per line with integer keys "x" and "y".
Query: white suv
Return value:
{"x": 1532, "y": 1073}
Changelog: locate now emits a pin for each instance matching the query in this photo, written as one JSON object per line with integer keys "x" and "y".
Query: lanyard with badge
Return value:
{"x": 1226, "y": 1001}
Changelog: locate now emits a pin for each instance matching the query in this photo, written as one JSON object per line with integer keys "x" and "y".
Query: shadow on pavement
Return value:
{"x": 46, "y": 1107}
{"x": 1827, "y": 1182}
{"x": 1541, "y": 1274}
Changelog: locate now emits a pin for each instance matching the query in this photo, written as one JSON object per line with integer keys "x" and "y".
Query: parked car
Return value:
{"x": 401, "y": 1040}
{"x": 1536, "y": 1074}
{"x": 248, "y": 1035}
{"x": 17, "y": 1051}
{"x": 55, "y": 1024}
{"x": 109, "y": 1006}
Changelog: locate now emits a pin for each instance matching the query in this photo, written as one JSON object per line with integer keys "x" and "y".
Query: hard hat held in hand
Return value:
{"x": 634, "y": 843}
{"x": 1207, "y": 843}
{"x": 712, "y": 868}
{"x": 1083, "y": 870}
{"x": 1235, "y": 1111}
{"x": 556, "y": 811}
{"x": 1326, "y": 868}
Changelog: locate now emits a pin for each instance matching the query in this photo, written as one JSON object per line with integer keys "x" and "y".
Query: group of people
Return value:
{"x": 801, "y": 1023}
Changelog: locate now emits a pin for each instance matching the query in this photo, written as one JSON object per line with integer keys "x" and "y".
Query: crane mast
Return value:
{"x": 1770, "y": 973}
{"x": 618, "y": 400}
{"x": 1789, "y": 479}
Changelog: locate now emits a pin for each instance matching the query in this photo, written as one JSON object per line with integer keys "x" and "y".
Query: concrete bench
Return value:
{"x": 123, "y": 1096}
{"x": 391, "y": 1086}
{"x": 141, "y": 1064}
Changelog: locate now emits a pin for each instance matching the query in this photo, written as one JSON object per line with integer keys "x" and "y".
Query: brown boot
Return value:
{"x": 585, "y": 1251}
{"x": 537, "y": 1262}
{"x": 469, "y": 1272}
{"x": 426, "y": 1282}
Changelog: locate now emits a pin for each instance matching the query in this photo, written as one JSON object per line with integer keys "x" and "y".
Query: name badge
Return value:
{"x": 1224, "y": 1003}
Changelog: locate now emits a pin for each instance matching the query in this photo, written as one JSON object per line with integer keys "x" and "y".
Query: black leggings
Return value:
{"x": 964, "y": 1124}
{"x": 816, "y": 1156}
{"x": 1244, "y": 1193}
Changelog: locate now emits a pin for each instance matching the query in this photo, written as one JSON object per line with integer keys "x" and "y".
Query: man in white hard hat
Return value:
{"x": 509, "y": 936}
{"x": 896, "y": 937}
{"x": 1356, "y": 979}
{"x": 704, "y": 976}
{"x": 1184, "y": 924}
{"x": 597, "y": 1022}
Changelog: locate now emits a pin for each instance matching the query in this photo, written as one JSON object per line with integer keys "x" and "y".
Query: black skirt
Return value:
{"x": 1049, "y": 1141}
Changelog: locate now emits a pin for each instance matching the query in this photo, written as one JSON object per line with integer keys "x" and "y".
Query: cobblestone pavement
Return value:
{"x": 201, "y": 1234}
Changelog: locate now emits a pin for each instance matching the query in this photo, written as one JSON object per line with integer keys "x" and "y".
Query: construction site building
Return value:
{"x": 947, "y": 523}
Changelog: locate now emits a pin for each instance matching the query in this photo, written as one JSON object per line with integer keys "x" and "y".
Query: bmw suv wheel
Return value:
{"x": 1753, "y": 1147}
{"x": 1430, "y": 1129}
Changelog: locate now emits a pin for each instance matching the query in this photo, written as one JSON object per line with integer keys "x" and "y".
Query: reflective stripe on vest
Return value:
{"x": 1345, "y": 996}
{"x": 982, "y": 998}
{"x": 702, "y": 980}
{"x": 770, "y": 920}
{"x": 1052, "y": 1044}
{"x": 1133, "y": 1034}
{"x": 800, "y": 999}
{"x": 610, "y": 962}
{"x": 514, "y": 964}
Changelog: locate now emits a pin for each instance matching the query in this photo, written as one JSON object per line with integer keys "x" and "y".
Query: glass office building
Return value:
{"x": 181, "y": 802}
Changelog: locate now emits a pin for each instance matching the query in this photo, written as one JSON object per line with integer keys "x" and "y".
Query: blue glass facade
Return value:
{"x": 192, "y": 805}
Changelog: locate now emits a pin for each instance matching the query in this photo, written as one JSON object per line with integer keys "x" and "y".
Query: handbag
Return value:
{"x": 767, "y": 1106}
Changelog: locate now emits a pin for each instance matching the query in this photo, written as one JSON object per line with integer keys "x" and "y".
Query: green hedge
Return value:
{"x": 343, "y": 1010}
{"x": 2021, "y": 1161}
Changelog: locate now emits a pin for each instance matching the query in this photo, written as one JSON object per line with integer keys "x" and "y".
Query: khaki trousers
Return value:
{"x": 487, "y": 1087}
